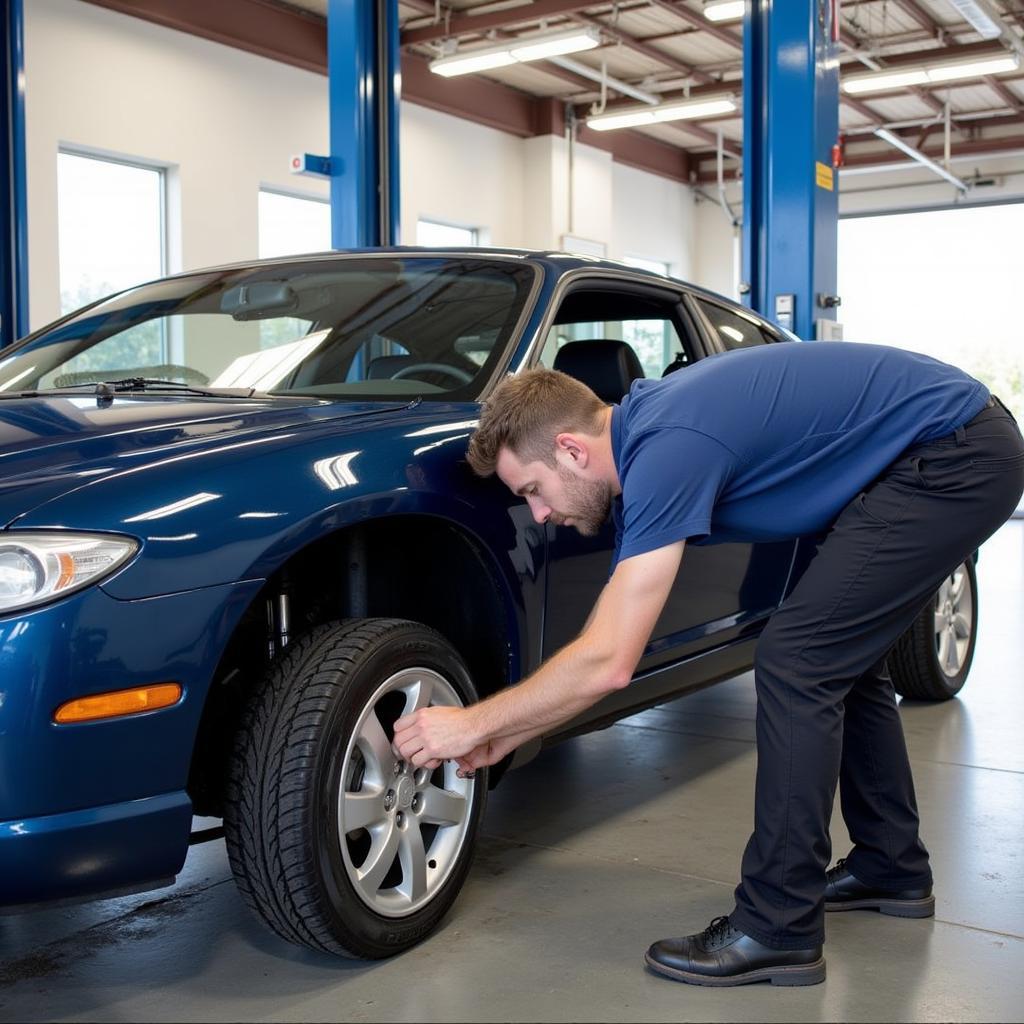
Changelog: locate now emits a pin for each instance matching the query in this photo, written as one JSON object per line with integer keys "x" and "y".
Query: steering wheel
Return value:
{"x": 456, "y": 372}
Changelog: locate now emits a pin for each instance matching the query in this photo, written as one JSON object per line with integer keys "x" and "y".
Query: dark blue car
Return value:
{"x": 240, "y": 539}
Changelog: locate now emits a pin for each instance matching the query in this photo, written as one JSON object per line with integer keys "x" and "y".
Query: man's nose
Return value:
{"x": 540, "y": 511}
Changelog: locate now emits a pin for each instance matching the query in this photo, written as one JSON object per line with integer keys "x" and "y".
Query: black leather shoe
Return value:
{"x": 843, "y": 891}
{"x": 723, "y": 955}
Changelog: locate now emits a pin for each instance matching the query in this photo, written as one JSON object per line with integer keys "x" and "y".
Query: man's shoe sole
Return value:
{"x": 802, "y": 974}
{"x": 894, "y": 908}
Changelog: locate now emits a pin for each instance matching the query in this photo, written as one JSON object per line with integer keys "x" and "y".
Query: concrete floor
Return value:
{"x": 591, "y": 852}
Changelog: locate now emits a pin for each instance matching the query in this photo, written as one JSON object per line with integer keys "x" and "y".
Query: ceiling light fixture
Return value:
{"x": 979, "y": 16}
{"x": 640, "y": 116}
{"x": 881, "y": 81}
{"x": 724, "y": 10}
{"x": 515, "y": 51}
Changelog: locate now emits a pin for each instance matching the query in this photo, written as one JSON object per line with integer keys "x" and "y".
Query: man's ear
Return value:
{"x": 574, "y": 448}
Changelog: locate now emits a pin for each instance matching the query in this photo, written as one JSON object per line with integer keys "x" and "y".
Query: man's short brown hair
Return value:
{"x": 525, "y": 415}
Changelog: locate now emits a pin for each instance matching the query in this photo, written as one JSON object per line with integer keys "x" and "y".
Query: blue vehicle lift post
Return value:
{"x": 363, "y": 74}
{"x": 13, "y": 207}
{"x": 790, "y": 183}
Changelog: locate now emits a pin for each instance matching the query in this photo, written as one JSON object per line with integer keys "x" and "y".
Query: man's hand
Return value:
{"x": 487, "y": 754}
{"x": 432, "y": 735}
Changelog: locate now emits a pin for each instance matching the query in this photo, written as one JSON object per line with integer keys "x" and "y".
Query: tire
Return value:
{"x": 932, "y": 659}
{"x": 332, "y": 843}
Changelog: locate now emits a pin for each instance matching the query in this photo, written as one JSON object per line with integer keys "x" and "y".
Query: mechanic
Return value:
{"x": 898, "y": 465}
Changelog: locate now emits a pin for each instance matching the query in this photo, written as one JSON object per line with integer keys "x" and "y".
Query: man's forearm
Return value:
{"x": 577, "y": 677}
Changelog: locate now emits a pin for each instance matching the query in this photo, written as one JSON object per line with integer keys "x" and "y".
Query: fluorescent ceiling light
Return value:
{"x": 663, "y": 112}
{"x": 724, "y": 10}
{"x": 525, "y": 48}
{"x": 881, "y": 82}
{"x": 978, "y": 17}
{"x": 467, "y": 63}
{"x": 929, "y": 74}
{"x": 975, "y": 68}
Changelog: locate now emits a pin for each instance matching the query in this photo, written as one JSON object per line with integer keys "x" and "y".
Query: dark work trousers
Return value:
{"x": 826, "y": 708}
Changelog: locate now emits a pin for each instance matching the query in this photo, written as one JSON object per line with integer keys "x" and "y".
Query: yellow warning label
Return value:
{"x": 824, "y": 176}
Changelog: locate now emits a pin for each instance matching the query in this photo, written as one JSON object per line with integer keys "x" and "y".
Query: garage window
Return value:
{"x": 110, "y": 226}
{"x": 435, "y": 235}
{"x": 290, "y": 225}
{"x": 110, "y": 223}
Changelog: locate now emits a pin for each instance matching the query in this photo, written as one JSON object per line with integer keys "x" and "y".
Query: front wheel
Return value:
{"x": 931, "y": 660}
{"x": 333, "y": 842}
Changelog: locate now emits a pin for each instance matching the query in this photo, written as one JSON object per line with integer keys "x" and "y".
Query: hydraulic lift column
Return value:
{"x": 363, "y": 74}
{"x": 790, "y": 148}
{"x": 13, "y": 204}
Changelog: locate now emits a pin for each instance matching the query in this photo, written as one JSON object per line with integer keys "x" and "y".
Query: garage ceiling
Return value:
{"x": 669, "y": 49}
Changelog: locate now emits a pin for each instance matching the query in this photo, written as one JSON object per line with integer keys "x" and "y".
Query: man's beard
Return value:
{"x": 588, "y": 502}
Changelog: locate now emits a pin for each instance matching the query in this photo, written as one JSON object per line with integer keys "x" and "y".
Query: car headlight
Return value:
{"x": 39, "y": 567}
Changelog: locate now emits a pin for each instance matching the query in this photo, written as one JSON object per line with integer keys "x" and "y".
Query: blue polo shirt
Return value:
{"x": 770, "y": 443}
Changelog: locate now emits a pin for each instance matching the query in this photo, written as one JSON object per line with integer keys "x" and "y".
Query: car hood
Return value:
{"x": 52, "y": 445}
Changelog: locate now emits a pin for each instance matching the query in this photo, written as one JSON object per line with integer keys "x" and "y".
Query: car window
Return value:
{"x": 733, "y": 328}
{"x": 649, "y": 328}
{"x": 433, "y": 327}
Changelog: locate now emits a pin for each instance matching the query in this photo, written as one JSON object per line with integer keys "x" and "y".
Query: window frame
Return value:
{"x": 692, "y": 331}
{"x": 695, "y": 300}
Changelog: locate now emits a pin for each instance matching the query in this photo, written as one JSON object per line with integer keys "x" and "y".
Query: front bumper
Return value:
{"x": 102, "y": 805}
{"x": 100, "y": 850}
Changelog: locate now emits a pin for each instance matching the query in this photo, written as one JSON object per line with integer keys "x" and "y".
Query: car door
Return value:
{"x": 722, "y": 590}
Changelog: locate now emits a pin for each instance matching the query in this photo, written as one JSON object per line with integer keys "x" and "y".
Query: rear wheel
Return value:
{"x": 335, "y": 843}
{"x": 932, "y": 659}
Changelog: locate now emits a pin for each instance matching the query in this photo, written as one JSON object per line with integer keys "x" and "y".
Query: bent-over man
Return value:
{"x": 898, "y": 464}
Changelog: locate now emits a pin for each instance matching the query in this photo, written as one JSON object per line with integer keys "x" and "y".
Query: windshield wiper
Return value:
{"x": 154, "y": 385}
{"x": 107, "y": 387}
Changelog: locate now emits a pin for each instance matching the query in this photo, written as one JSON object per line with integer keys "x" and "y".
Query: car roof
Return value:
{"x": 553, "y": 262}
{"x": 558, "y": 262}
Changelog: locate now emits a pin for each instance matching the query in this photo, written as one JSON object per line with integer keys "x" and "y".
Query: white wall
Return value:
{"x": 715, "y": 251}
{"x": 225, "y": 122}
{"x": 654, "y": 218}
{"x": 457, "y": 172}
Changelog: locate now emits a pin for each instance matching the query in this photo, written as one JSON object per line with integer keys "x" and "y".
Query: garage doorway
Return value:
{"x": 943, "y": 282}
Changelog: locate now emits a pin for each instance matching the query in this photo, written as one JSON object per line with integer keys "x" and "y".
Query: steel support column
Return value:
{"x": 790, "y": 187}
{"x": 13, "y": 217}
{"x": 364, "y": 83}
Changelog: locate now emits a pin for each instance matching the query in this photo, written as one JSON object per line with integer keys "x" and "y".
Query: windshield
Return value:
{"x": 401, "y": 327}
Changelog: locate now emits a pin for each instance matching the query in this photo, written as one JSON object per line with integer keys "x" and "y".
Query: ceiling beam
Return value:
{"x": 922, "y": 17}
{"x": 286, "y": 34}
{"x": 889, "y": 157}
{"x": 972, "y": 147}
{"x": 647, "y": 51}
{"x": 680, "y": 10}
{"x": 1007, "y": 95}
{"x": 873, "y": 116}
{"x": 426, "y": 7}
{"x": 478, "y": 24}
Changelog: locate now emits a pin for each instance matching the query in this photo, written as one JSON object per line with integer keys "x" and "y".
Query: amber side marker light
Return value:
{"x": 119, "y": 703}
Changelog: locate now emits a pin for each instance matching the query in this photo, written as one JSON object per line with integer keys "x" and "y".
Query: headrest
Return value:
{"x": 384, "y": 367}
{"x": 608, "y": 368}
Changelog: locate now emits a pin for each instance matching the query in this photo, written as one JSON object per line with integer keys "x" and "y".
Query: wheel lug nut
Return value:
{"x": 389, "y": 800}
{"x": 416, "y": 802}
{"x": 399, "y": 818}
{"x": 399, "y": 765}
